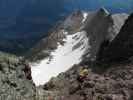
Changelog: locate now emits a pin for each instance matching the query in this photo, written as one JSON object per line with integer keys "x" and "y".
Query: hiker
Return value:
{"x": 82, "y": 74}
{"x": 27, "y": 71}
{"x": 27, "y": 68}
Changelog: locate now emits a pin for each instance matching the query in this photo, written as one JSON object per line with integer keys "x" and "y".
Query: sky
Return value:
{"x": 28, "y": 16}
{"x": 112, "y": 5}
{"x": 14, "y": 7}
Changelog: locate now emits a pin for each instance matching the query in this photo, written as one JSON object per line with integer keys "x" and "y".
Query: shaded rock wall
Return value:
{"x": 120, "y": 48}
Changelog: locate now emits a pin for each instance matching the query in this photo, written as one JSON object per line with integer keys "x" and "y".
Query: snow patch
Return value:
{"x": 105, "y": 10}
{"x": 85, "y": 14}
{"x": 63, "y": 58}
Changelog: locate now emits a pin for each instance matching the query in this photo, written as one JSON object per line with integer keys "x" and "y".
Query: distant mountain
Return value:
{"x": 28, "y": 25}
{"x": 73, "y": 24}
{"x": 26, "y": 22}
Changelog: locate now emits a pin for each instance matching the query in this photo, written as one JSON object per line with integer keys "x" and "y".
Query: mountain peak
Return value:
{"x": 103, "y": 11}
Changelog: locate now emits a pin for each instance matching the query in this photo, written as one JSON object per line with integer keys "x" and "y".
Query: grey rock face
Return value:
{"x": 102, "y": 26}
{"x": 13, "y": 82}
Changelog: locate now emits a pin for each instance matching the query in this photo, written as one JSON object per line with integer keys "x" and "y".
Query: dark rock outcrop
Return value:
{"x": 120, "y": 49}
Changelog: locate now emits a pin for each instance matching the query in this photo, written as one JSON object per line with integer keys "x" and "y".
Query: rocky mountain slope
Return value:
{"x": 102, "y": 83}
{"x": 78, "y": 38}
{"x": 105, "y": 81}
{"x": 15, "y": 82}
{"x": 56, "y": 61}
